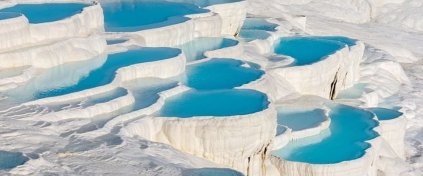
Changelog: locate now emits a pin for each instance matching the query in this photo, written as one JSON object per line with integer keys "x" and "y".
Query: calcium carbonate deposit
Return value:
{"x": 211, "y": 87}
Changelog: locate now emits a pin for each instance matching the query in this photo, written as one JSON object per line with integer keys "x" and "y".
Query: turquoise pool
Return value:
{"x": 8, "y": 15}
{"x": 9, "y": 160}
{"x": 385, "y": 114}
{"x": 195, "y": 49}
{"x": 88, "y": 74}
{"x": 258, "y": 24}
{"x": 344, "y": 140}
{"x": 308, "y": 50}
{"x": 46, "y": 12}
{"x": 300, "y": 119}
{"x": 220, "y": 74}
{"x": 214, "y": 103}
{"x": 119, "y": 15}
{"x": 252, "y": 34}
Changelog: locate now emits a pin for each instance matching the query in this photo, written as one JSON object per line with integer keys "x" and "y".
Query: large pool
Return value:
{"x": 300, "y": 119}
{"x": 220, "y": 74}
{"x": 195, "y": 49}
{"x": 344, "y": 140}
{"x": 128, "y": 16}
{"x": 46, "y": 12}
{"x": 308, "y": 50}
{"x": 9, "y": 160}
{"x": 214, "y": 103}
{"x": 385, "y": 114}
{"x": 50, "y": 83}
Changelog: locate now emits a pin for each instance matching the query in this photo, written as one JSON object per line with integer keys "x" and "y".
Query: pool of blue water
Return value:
{"x": 307, "y": 50}
{"x": 344, "y": 140}
{"x": 115, "y": 41}
{"x": 8, "y": 15}
{"x": 252, "y": 34}
{"x": 300, "y": 119}
{"x": 353, "y": 92}
{"x": 9, "y": 160}
{"x": 46, "y": 12}
{"x": 214, "y": 103}
{"x": 107, "y": 72}
{"x": 385, "y": 114}
{"x": 146, "y": 90}
{"x": 194, "y": 50}
{"x": 258, "y": 24}
{"x": 74, "y": 77}
{"x": 220, "y": 74}
{"x": 120, "y": 16}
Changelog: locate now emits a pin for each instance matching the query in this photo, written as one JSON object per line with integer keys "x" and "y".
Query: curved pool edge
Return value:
{"x": 355, "y": 167}
{"x": 82, "y": 24}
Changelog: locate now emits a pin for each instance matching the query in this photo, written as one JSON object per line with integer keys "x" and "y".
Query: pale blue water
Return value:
{"x": 115, "y": 41}
{"x": 8, "y": 15}
{"x": 128, "y": 16}
{"x": 194, "y": 50}
{"x": 344, "y": 140}
{"x": 385, "y": 114}
{"x": 214, "y": 103}
{"x": 9, "y": 160}
{"x": 46, "y": 12}
{"x": 220, "y": 74}
{"x": 252, "y": 34}
{"x": 102, "y": 73}
{"x": 296, "y": 119}
{"x": 91, "y": 100}
{"x": 306, "y": 50}
{"x": 106, "y": 73}
{"x": 280, "y": 129}
{"x": 258, "y": 24}
{"x": 146, "y": 90}
{"x": 353, "y": 92}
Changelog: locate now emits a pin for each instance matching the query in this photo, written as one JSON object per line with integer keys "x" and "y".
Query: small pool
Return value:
{"x": 86, "y": 75}
{"x": 8, "y": 15}
{"x": 385, "y": 114}
{"x": 256, "y": 28}
{"x": 146, "y": 90}
{"x": 214, "y": 103}
{"x": 258, "y": 24}
{"x": 353, "y": 92}
{"x": 9, "y": 160}
{"x": 300, "y": 119}
{"x": 46, "y": 12}
{"x": 119, "y": 15}
{"x": 252, "y": 34}
{"x": 344, "y": 140}
{"x": 195, "y": 49}
{"x": 308, "y": 50}
{"x": 115, "y": 41}
{"x": 220, "y": 74}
